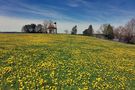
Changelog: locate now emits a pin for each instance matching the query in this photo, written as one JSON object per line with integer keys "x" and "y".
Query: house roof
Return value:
{"x": 51, "y": 26}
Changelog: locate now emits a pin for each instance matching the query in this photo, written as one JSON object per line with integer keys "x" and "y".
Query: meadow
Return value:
{"x": 65, "y": 62}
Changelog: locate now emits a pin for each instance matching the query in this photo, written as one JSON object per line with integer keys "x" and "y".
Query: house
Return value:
{"x": 52, "y": 28}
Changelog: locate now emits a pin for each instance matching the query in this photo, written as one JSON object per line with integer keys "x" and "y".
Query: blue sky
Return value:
{"x": 15, "y": 13}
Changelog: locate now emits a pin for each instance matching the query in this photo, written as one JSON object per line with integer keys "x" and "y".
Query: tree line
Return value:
{"x": 46, "y": 27}
{"x": 125, "y": 33}
{"x": 106, "y": 31}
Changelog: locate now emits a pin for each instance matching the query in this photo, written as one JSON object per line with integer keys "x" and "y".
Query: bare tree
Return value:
{"x": 126, "y": 33}
{"x": 130, "y": 30}
{"x": 103, "y": 28}
{"x": 119, "y": 32}
{"x": 131, "y": 26}
{"x": 45, "y": 25}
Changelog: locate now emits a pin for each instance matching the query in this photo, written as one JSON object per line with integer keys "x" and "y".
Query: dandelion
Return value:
{"x": 41, "y": 81}
{"x": 52, "y": 62}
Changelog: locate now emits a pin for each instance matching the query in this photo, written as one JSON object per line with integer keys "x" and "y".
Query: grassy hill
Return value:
{"x": 38, "y": 61}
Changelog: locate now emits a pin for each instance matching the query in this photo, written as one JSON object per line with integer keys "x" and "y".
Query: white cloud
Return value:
{"x": 76, "y": 3}
{"x": 15, "y": 24}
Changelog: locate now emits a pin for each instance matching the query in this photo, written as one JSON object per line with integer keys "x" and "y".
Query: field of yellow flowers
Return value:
{"x": 65, "y": 62}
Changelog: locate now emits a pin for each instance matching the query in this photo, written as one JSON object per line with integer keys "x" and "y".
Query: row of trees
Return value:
{"x": 33, "y": 28}
{"x": 46, "y": 27}
{"x": 124, "y": 33}
{"x": 106, "y": 29}
{"x": 88, "y": 32}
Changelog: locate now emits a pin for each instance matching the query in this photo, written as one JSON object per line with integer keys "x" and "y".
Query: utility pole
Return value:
{"x": 55, "y": 27}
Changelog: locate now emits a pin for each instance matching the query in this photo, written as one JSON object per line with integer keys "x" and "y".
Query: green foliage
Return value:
{"x": 74, "y": 30}
{"x": 109, "y": 34}
{"x": 89, "y": 31}
{"x": 108, "y": 31}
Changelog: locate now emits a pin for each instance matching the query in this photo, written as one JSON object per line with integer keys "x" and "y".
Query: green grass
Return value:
{"x": 69, "y": 62}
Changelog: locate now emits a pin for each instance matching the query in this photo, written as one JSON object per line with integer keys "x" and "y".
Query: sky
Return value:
{"x": 67, "y": 13}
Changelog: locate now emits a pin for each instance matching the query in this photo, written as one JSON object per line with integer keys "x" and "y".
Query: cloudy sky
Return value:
{"x": 67, "y": 13}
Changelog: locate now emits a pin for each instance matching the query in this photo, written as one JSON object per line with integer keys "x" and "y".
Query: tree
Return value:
{"x": 24, "y": 29}
{"x": 45, "y": 25}
{"x": 88, "y": 31}
{"x": 107, "y": 30}
{"x": 29, "y": 28}
{"x": 130, "y": 31}
{"x": 126, "y": 33}
{"x": 39, "y": 28}
{"x": 119, "y": 33}
{"x": 74, "y": 30}
{"x": 33, "y": 28}
{"x": 103, "y": 28}
{"x": 109, "y": 34}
